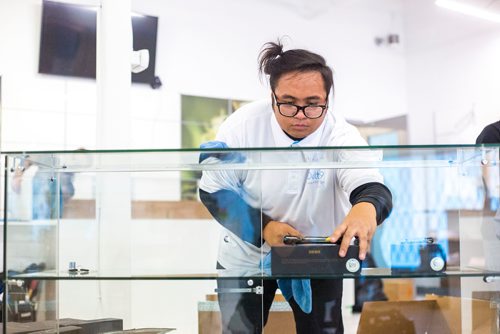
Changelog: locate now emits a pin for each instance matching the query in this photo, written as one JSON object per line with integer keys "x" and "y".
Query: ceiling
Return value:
{"x": 490, "y": 5}
{"x": 427, "y": 25}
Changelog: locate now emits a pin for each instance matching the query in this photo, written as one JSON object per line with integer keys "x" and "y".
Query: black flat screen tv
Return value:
{"x": 68, "y": 41}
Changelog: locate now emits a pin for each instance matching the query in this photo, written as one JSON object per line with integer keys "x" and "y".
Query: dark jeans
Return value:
{"x": 247, "y": 312}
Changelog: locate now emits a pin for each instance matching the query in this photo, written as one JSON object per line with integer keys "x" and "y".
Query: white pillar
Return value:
{"x": 114, "y": 46}
{"x": 113, "y": 190}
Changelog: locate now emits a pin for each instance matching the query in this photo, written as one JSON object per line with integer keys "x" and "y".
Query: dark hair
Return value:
{"x": 275, "y": 63}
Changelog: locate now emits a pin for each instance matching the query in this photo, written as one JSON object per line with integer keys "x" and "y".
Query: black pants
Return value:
{"x": 247, "y": 312}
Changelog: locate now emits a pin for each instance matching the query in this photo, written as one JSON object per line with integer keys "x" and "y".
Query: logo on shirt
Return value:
{"x": 316, "y": 176}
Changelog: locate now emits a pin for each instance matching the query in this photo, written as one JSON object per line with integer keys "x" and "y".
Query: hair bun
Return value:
{"x": 271, "y": 51}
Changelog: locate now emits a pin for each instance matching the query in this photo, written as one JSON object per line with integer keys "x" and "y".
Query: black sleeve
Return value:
{"x": 232, "y": 212}
{"x": 377, "y": 194}
{"x": 490, "y": 134}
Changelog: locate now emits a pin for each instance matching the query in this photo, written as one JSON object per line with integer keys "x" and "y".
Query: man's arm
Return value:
{"x": 371, "y": 204}
{"x": 232, "y": 212}
{"x": 377, "y": 194}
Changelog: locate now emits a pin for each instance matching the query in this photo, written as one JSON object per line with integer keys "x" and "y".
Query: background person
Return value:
{"x": 490, "y": 226}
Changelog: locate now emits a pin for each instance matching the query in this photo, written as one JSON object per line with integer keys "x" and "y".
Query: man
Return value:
{"x": 294, "y": 202}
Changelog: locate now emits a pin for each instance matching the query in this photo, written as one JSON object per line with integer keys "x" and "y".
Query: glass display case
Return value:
{"x": 103, "y": 241}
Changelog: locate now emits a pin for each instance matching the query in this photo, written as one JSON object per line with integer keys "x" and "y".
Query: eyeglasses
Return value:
{"x": 290, "y": 110}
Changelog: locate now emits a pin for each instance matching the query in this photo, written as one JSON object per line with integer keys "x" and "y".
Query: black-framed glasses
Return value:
{"x": 290, "y": 110}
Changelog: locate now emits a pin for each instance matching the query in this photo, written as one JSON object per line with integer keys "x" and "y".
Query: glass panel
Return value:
{"x": 115, "y": 221}
{"x": 30, "y": 241}
{"x": 436, "y": 192}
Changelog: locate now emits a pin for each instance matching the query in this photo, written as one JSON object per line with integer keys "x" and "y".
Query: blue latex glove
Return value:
{"x": 298, "y": 288}
{"x": 223, "y": 156}
{"x": 227, "y": 206}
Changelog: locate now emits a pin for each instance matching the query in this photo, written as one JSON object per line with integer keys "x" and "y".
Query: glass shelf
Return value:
{"x": 262, "y": 158}
{"x": 366, "y": 273}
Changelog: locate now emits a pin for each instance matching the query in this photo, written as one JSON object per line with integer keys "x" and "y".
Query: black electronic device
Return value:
{"x": 68, "y": 40}
{"x": 314, "y": 259}
{"x": 418, "y": 256}
{"x": 293, "y": 240}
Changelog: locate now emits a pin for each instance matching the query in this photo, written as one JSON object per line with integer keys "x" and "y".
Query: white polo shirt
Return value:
{"x": 313, "y": 201}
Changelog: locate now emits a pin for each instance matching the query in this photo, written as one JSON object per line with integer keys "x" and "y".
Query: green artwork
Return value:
{"x": 201, "y": 118}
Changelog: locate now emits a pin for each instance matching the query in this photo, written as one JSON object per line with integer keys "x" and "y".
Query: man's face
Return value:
{"x": 303, "y": 89}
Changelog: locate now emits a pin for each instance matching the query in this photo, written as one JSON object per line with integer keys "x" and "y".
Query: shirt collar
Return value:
{"x": 282, "y": 140}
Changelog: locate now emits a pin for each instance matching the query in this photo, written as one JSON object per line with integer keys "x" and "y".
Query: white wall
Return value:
{"x": 39, "y": 111}
{"x": 204, "y": 48}
{"x": 444, "y": 73}
{"x": 453, "y": 74}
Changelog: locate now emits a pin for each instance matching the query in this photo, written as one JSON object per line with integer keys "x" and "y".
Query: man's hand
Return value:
{"x": 275, "y": 231}
{"x": 360, "y": 222}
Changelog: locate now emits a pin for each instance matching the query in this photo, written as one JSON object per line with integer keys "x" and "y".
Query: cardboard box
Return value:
{"x": 486, "y": 319}
{"x": 436, "y": 314}
{"x": 399, "y": 289}
{"x": 280, "y": 319}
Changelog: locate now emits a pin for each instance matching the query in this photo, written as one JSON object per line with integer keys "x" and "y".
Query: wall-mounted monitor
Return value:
{"x": 68, "y": 41}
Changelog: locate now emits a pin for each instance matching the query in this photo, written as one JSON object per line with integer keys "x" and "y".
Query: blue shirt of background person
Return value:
{"x": 45, "y": 194}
